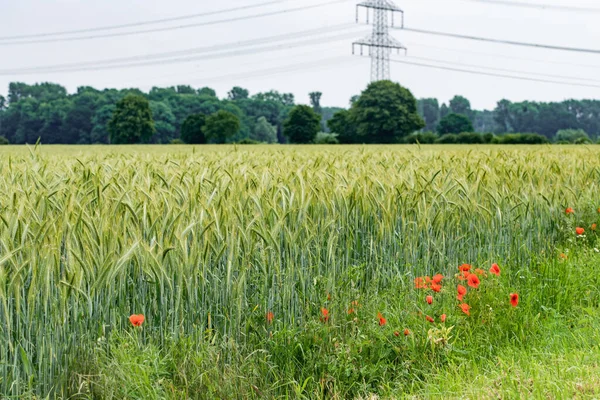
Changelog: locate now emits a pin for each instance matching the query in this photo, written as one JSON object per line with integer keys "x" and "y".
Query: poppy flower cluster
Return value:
{"x": 425, "y": 282}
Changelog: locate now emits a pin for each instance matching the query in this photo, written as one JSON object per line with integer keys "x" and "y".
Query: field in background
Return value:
{"x": 206, "y": 240}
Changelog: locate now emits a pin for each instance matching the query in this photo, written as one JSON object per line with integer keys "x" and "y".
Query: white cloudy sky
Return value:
{"x": 325, "y": 65}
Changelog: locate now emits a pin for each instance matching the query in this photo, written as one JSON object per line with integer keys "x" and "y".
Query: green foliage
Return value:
{"x": 302, "y": 125}
{"x": 429, "y": 110}
{"x": 461, "y": 105}
{"x": 164, "y": 122}
{"x": 192, "y": 130}
{"x": 237, "y": 93}
{"x": 176, "y": 141}
{"x": 249, "y": 141}
{"x": 326, "y": 138}
{"x": 421, "y": 137}
{"x": 264, "y": 131}
{"x": 521, "y": 138}
{"x": 341, "y": 125}
{"x": 221, "y": 125}
{"x": 384, "y": 113}
{"x": 131, "y": 121}
{"x": 448, "y": 138}
{"x": 574, "y": 136}
{"x": 3, "y": 141}
{"x": 454, "y": 123}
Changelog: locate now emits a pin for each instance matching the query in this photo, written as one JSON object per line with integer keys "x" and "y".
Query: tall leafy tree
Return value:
{"x": 341, "y": 125}
{"x": 237, "y": 93}
{"x": 100, "y": 122}
{"x": 164, "y": 122}
{"x": 131, "y": 121}
{"x": 315, "y": 101}
{"x": 461, "y": 105}
{"x": 385, "y": 113}
{"x": 454, "y": 123}
{"x": 221, "y": 126}
{"x": 429, "y": 110}
{"x": 302, "y": 125}
{"x": 192, "y": 129}
{"x": 264, "y": 131}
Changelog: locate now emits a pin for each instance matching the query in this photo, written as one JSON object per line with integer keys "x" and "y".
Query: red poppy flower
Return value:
{"x": 569, "y": 211}
{"x": 579, "y": 231}
{"x": 396, "y": 333}
{"x": 473, "y": 281}
{"x": 351, "y": 311}
{"x": 269, "y": 317}
{"x": 479, "y": 271}
{"x": 137, "y": 320}
{"x": 435, "y": 287}
{"x": 406, "y": 332}
{"x": 443, "y": 317}
{"x": 495, "y": 269}
{"x": 428, "y": 318}
{"x": 461, "y": 292}
{"x": 420, "y": 283}
{"x": 563, "y": 255}
{"x": 382, "y": 321}
{"x": 465, "y": 308}
{"x": 514, "y": 299}
{"x": 429, "y": 299}
{"x": 427, "y": 279}
{"x": 464, "y": 268}
{"x": 328, "y": 296}
{"x": 438, "y": 278}
{"x": 594, "y": 226}
{"x": 324, "y": 315}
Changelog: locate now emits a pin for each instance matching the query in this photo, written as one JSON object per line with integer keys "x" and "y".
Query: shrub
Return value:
{"x": 449, "y": 138}
{"x": 521, "y": 138}
{"x": 576, "y": 136}
{"x": 421, "y": 137}
{"x": 326, "y": 138}
{"x": 470, "y": 138}
{"x": 176, "y": 141}
{"x": 3, "y": 140}
{"x": 455, "y": 123}
{"x": 249, "y": 141}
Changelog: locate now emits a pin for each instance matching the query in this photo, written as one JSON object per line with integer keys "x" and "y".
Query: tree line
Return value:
{"x": 384, "y": 112}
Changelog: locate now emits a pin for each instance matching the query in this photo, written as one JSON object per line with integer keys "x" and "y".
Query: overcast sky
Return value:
{"x": 326, "y": 65}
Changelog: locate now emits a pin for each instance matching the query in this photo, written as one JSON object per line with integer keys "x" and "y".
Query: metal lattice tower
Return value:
{"x": 379, "y": 43}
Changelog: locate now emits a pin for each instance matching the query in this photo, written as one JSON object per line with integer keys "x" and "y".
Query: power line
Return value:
{"x": 196, "y": 50}
{"x": 504, "y": 69}
{"x": 142, "y": 23}
{"x": 479, "y": 53}
{"x": 233, "y": 53}
{"x": 523, "y": 78}
{"x": 172, "y": 28}
{"x": 536, "y": 6}
{"x": 501, "y": 41}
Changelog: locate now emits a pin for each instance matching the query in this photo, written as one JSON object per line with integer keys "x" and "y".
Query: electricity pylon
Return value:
{"x": 379, "y": 42}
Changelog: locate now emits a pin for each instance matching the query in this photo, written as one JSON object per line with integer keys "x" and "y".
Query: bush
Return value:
{"x": 574, "y": 136}
{"x": 176, "y": 141}
{"x": 470, "y": 138}
{"x": 449, "y": 138}
{"x": 521, "y": 138}
{"x": 326, "y": 138}
{"x": 488, "y": 137}
{"x": 421, "y": 137}
{"x": 249, "y": 141}
{"x": 192, "y": 129}
{"x": 3, "y": 140}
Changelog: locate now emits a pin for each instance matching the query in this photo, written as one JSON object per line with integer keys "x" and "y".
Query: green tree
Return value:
{"x": 315, "y": 101}
{"x": 131, "y": 121}
{"x": 454, "y": 123}
{"x": 100, "y": 121}
{"x": 237, "y": 93}
{"x": 385, "y": 113}
{"x": 302, "y": 125}
{"x": 461, "y": 105}
{"x": 341, "y": 125}
{"x": 429, "y": 110}
{"x": 221, "y": 125}
{"x": 164, "y": 122}
{"x": 264, "y": 131}
{"x": 192, "y": 129}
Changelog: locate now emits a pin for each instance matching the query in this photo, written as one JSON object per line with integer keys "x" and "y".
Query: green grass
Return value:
{"x": 205, "y": 240}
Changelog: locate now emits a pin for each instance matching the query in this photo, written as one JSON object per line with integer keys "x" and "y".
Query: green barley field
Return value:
{"x": 285, "y": 272}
